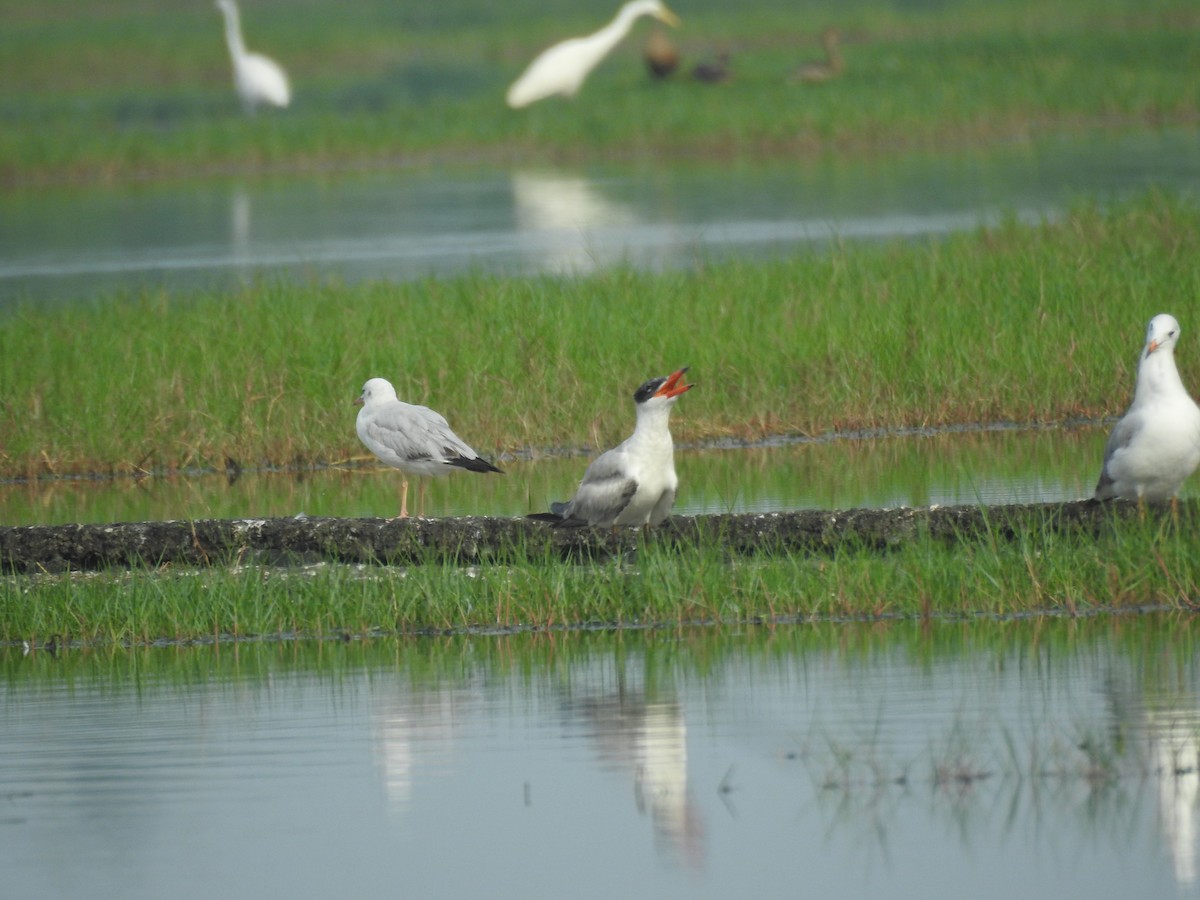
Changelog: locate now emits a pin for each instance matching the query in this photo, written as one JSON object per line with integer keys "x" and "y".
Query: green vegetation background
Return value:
{"x": 1024, "y": 324}
{"x": 114, "y": 90}
{"x": 1021, "y": 322}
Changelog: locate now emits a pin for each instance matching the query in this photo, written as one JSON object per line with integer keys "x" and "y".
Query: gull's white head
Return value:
{"x": 1161, "y": 334}
{"x": 376, "y": 391}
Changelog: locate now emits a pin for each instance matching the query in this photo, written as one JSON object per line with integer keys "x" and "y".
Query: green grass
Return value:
{"x": 1014, "y": 323}
{"x": 1162, "y": 646}
{"x": 1137, "y": 565}
{"x": 122, "y": 90}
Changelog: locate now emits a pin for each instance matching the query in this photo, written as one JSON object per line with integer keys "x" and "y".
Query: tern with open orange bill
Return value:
{"x": 634, "y": 483}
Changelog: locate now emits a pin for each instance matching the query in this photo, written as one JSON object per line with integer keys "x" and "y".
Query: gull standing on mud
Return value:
{"x": 414, "y": 439}
{"x": 634, "y": 483}
{"x": 1156, "y": 445}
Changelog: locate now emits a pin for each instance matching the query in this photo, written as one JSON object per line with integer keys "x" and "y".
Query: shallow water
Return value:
{"x": 935, "y": 760}
{"x": 990, "y": 467}
{"x": 67, "y": 245}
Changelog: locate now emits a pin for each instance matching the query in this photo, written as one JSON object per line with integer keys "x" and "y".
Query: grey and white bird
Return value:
{"x": 634, "y": 483}
{"x": 414, "y": 439}
{"x": 1156, "y": 445}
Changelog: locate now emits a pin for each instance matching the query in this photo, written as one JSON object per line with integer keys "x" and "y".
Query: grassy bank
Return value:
{"x": 123, "y": 90}
{"x": 1143, "y": 563}
{"x": 1015, "y": 323}
{"x": 1158, "y": 645}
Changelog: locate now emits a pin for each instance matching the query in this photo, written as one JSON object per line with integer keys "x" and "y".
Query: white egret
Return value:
{"x": 561, "y": 69}
{"x": 259, "y": 79}
{"x": 1156, "y": 445}
{"x": 414, "y": 439}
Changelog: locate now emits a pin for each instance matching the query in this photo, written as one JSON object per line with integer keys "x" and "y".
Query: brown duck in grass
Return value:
{"x": 660, "y": 54}
{"x": 830, "y": 67}
{"x": 713, "y": 71}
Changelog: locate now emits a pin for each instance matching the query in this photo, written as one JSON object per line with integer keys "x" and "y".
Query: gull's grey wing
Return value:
{"x": 604, "y": 492}
{"x": 662, "y": 509}
{"x": 1122, "y": 436}
{"x": 416, "y": 433}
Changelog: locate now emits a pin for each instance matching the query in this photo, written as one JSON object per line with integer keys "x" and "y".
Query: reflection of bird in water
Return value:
{"x": 1170, "y": 722}
{"x": 648, "y": 738}
{"x": 561, "y": 69}
{"x": 830, "y": 67}
{"x": 554, "y": 201}
{"x": 565, "y": 221}
{"x": 258, "y": 79}
{"x": 239, "y": 224}
{"x": 416, "y": 733}
{"x": 713, "y": 71}
{"x": 1175, "y": 743}
{"x": 661, "y": 54}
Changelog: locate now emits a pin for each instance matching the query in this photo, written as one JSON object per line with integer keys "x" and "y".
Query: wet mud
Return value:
{"x": 482, "y": 541}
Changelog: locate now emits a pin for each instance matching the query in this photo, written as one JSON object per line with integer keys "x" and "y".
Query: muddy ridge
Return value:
{"x": 482, "y": 540}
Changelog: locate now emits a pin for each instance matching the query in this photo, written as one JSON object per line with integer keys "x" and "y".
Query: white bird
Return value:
{"x": 634, "y": 483}
{"x": 561, "y": 69}
{"x": 1156, "y": 445}
{"x": 258, "y": 79}
{"x": 414, "y": 439}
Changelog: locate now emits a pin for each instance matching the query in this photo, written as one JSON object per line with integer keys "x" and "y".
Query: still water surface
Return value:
{"x": 989, "y": 467}
{"x": 63, "y": 245}
{"x": 1024, "y": 759}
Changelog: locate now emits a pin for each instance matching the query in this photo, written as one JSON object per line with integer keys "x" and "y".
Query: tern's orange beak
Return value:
{"x": 1153, "y": 346}
{"x": 672, "y": 387}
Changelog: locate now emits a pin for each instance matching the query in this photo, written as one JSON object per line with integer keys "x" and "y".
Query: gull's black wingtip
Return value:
{"x": 478, "y": 464}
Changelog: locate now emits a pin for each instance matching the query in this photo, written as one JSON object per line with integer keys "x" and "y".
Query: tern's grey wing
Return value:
{"x": 604, "y": 492}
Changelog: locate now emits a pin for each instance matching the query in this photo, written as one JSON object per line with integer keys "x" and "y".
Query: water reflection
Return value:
{"x": 63, "y": 245}
{"x": 239, "y": 227}
{"x": 1175, "y": 748}
{"x": 646, "y": 741}
{"x": 565, "y": 223}
{"x": 984, "y": 467}
{"x": 1054, "y": 758}
{"x": 1173, "y": 734}
{"x": 412, "y": 729}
